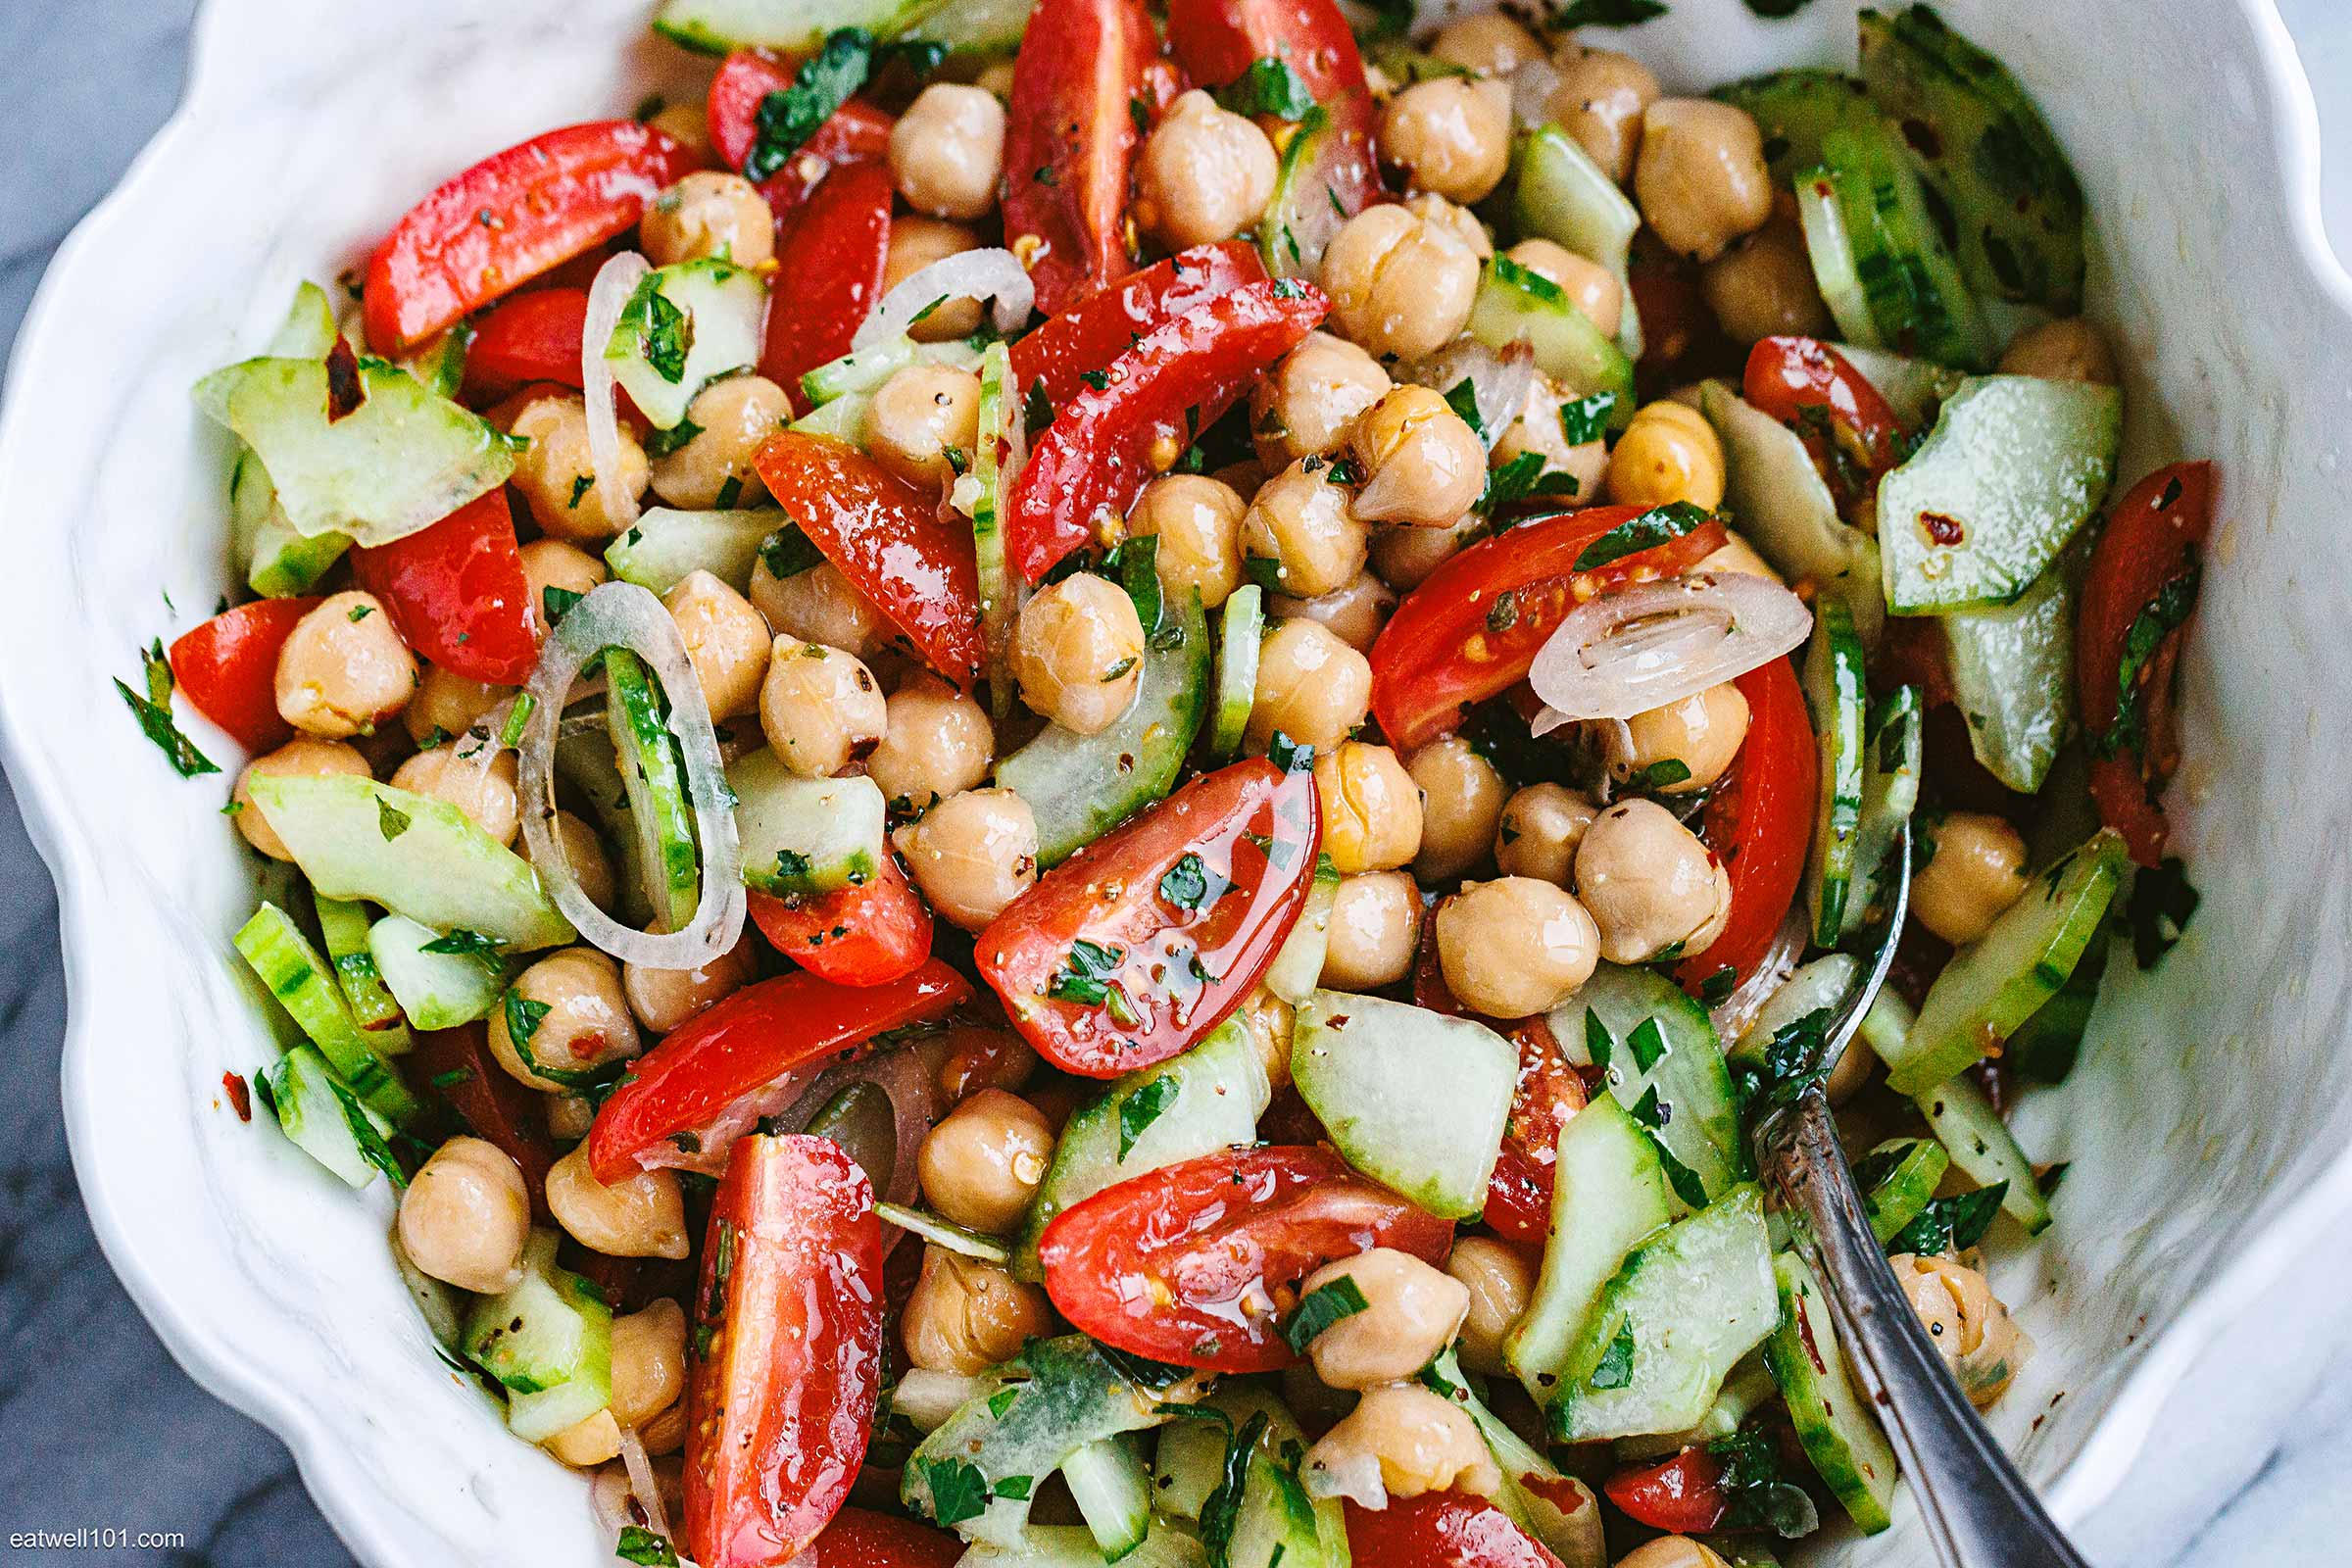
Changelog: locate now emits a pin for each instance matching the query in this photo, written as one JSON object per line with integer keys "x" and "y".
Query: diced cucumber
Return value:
{"x": 1608, "y": 1194}
{"x": 663, "y": 546}
{"x": 1216, "y": 1092}
{"x": 686, "y": 324}
{"x": 591, "y": 775}
{"x": 1997, "y": 981}
{"x": 1275, "y": 1522}
{"x": 1832, "y": 1416}
{"x": 1190, "y": 1459}
{"x": 1985, "y": 505}
{"x": 1685, "y": 1306}
{"x": 1516, "y": 303}
{"x": 1306, "y": 212}
{"x": 303, "y": 982}
{"x": 1555, "y": 1508}
{"x": 549, "y": 1341}
{"x": 927, "y": 1399}
{"x": 1112, "y": 1488}
{"x": 1980, "y": 1143}
{"x": 1299, "y": 967}
{"x": 942, "y": 1233}
{"x": 714, "y": 26}
{"x": 1748, "y": 1389}
{"x": 1665, "y": 1067}
{"x": 1239, "y": 634}
{"x": 973, "y": 29}
{"x": 436, "y": 990}
{"x": 1788, "y": 514}
{"x": 1913, "y": 388}
{"x": 999, "y": 437}
{"x": 1413, "y": 1098}
{"x": 1897, "y": 750}
{"x": 1795, "y": 110}
{"x": 357, "y": 839}
{"x": 843, "y": 419}
{"x": 278, "y": 562}
{"x": 2013, "y": 677}
{"x": 1897, "y": 1178}
{"x": 401, "y": 460}
{"x": 1073, "y": 1546}
{"x": 1830, "y": 248}
{"x": 804, "y": 835}
{"x": 344, "y": 929}
{"x": 2046, "y": 1046}
{"x": 1824, "y": 982}
{"x": 1907, "y": 274}
{"x": 1080, "y": 786}
{"x": 653, "y": 773}
{"x": 2012, "y": 194}
{"x": 1836, "y": 697}
{"x": 1560, "y": 194}
{"x": 866, "y": 369}
{"x": 323, "y": 1119}
{"x": 439, "y": 361}
{"x": 309, "y": 331}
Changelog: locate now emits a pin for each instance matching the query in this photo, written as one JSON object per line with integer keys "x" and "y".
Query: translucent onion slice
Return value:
{"x": 1533, "y": 87}
{"x": 1499, "y": 382}
{"x": 1735, "y": 1013}
{"x": 621, "y": 615}
{"x": 1355, "y": 1477}
{"x": 644, "y": 1485}
{"x": 990, "y": 274}
{"x": 608, "y": 296}
{"x": 1641, "y": 648}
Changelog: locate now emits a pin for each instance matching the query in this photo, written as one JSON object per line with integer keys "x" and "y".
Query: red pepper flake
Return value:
{"x": 240, "y": 1098}
{"x": 1941, "y": 529}
{"x": 345, "y": 391}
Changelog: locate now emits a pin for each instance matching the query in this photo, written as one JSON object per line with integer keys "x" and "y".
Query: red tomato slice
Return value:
{"x": 887, "y": 540}
{"x": 1680, "y": 336}
{"x": 229, "y": 669}
{"x": 2145, "y": 571}
{"x": 1104, "y": 967}
{"x": 1850, "y": 430}
{"x": 1430, "y": 988}
{"x": 1442, "y": 1529}
{"x": 1217, "y": 40}
{"x": 789, "y": 1352}
{"x": 858, "y": 1537}
{"x": 1681, "y": 1495}
{"x": 1100, "y": 328}
{"x": 456, "y": 1064}
{"x": 1449, "y": 645}
{"x": 1549, "y": 1090}
{"x": 509, "y": 219}
{"x": 1188, "y": 1264}
{"x": 743, "y": 81}
{"x": 457, "y": 593}
{"x": 746, "y": 1042}
{"x": 530, "y": 337}
{"x": 858, "y": 133}
{"x": 1758, "y": 822}
{"x": 1070, "y": 140}
{"x": 831, "y": 259}
{"x": 853, "y": 936}
{"x": 1106, "y": 443}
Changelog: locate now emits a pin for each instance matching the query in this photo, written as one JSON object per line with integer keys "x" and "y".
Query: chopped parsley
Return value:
{"x": 1320, "y": 1308}
{"x": 155, "y": 721}
{"x": 1463, "y": 401}
{"x": 1522, "y": 477}
{"x": 1268, "y": 87}
{"x": 2158, "y": 910}
{"x": 792, "y": 866}
{"x": 664, "y": 338}
{"x": 789, "y": 115}
{"x": 1615, "y": 1368}
{"x": 1140, "y": 1109}
{"x": 1037, "y": 409}
{"x": 1573, "y": 14}
{"x": 1647, "y": 1043}
{"x": 1656, "y": 527}
{"x": 390, "y": 820}
{"x": 554, "y": 600}
{"x": 1950, "y": 1224}
{"x": 1663, "y": 773}
{"x": 1086, "y": 974}
{"x": 787, "y": 552}
{"x": 1292, "y": 757}
{"x": 959, "y": 1490}
{"x": 662, "y": 443}
{"x": 523, "y": 1018}
{"x": 2165, "y": 614}
{"x": 1757, "y": 1493}
{"x": 1585, "y": 420}
{"x": 464, "y": 944}
{"x": 1222, "y": 1510}
{"x": 646, "y": 1547}
{"x": 1191, "y": 884}
{"x": 730, "y": 491}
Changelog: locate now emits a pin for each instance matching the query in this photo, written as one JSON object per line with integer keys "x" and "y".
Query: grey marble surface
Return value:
{"x": 100, "y": 1429}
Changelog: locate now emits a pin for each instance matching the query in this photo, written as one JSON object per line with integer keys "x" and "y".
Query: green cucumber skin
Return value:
{"x": 662, "y": 547}
{"x": 866, "y": 369}
{"x": 558, "y": 1366}
{"x": 1000, "y": 594}
{"x": 436, "y": 990}
{"x": 833, "y": 824}
{"x": 321, "y": 1116}
{"x": 1896, "y": 749}
{"x": 656, "y": 781}
{"x": 1691, "y": 1078}
{"x": 1912, "y": 283}
{"x": 301, "y": 979}
{"x": 2012, "y": 668}
{"x": 1298, "y": 966}
{"x": 1795, "y": 110}
{"x": 1514, "y": 303}
{"x": 1836, "y": 695}
{"x": 1980, "y": 1143}
{"x": 1238, "y": 635}
{"x": 1899, "y": 1197}
{"x": 1787, "y": 511}
{"x": 278, "y": 562}
{"x": 1832, "y": 1417}
{"x": 1112, "y": 1488}
{"x": 1830, "y": 248}
{"x": 344, "y": 929}
{"x": 1560, "y": 194}
{"x": 716, "y": 27}
{"x": 725, "y": 305}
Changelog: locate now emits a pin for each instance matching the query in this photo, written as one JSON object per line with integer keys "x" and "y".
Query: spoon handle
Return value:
{"x": 1979, "y": 1511}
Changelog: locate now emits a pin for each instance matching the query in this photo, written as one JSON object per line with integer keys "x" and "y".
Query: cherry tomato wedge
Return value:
{"x": 743, "y": 1042}
{"x": 529, "y": 337}
{"x": 457, "y": 593}
{"x": 2137, "y": 600}
{"x": 1456, "y": 640}
{"x": 887, "y": 539}
{"x": 1442, "y": 1529}
{"x": 858, "y": 133}
{"x": 1186, "y": 1264}
{"x": 229, "y": 669}
{"x": 858, "y": 1537}
{"x": 1758, "y": 823}
{"x": 1848, "y": 427}
{"x": 1683, "y": 1494}
{"x": 738, "y": 88}
{"x": 788, "y": 1350}
{"x": 1217, "y": 40}
{"x": 1136, "y": 947}
{"x": 456, "y": 1064}
{"x": 1100, "y": 328}
{"x": 1109, "y": 441}
{"x": 831, "y": 258}
{"x": 509, "y": 219}
{"x": 853, "y": 936}
{"x": 1070, "y": 140}
{"x": 1549, "y": 1092}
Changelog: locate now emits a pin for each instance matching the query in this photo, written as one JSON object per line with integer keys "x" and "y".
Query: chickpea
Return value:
{"x": 482, "y": 788}
{"x": 1701, "y": 732}
{"x": 552, "y": 564}
{"x": 982, "y": 1164}
{"x": 299, "y": 757}
{"x": 1422, "y": 1442}
{"x": 465, "y": 1216}
{"x": 1977, "y": 872}
{"x": 1311, "y": 686}
{"x": 1702, "y": 181}
{"x": 585, "y": 854}
{"x": 965, "y": 1316}
{"x": 1459, "y": 221}
{"x": 1763, "y": 288}
{"x": 666, "y": 1434}
{"x": 1970, "y": 1326}
{"x": 726, "y": 641}
{"x": 1422, "y": 464}
{"x": 1198, "y": 521}
{"x": 1669, "y": 453}
{"x": 1737, "y": 554}
{"x": 1461, "y": 807}
{"x": 924, "y": 423}
{"x": 936, "y": 742}
{"x": 1539, "y": 831}
{"x": 1304, "y": 524}
{"x": 1306, "y": 407}
{"x": 1271, "y": 1022}
{"x": 706, "y": 214}
{"x": 818, "y": 604}
{"x": 690, "y": 125}
{"x": 447, "y": 704}
{"x": 1515, "y": 947}
{"x": 1499, "y": 1281}
{"x": 1538, "y": 428}
{"x": 1852, "y": 1070}
{"x": 1078, "y": 653}
{"x": 1354, "y": 611}
{"x": 916, "y": 242}
{"x": 649, "y": 1362}
{"x": 1591, "y": 287}
{"x": 714, "y": 467}
{"x": 1672, "y": 1551}
{"x": 639, "y": 1216}
{"x": 556, "y": 475}
{"x": 1600, "y": 101}
{"x": 972, "y": 854}
{"x": 1202, "y": 175}
{"x": 1410, "y": 1313}
{"x": 1490, "y": 43}
{"x": 568, "y": 1117}
{"x": 2068, "y": 350}
{"x": 587, "y": 1443}
{"x": 1405, "y": 558}
{"x": 947, "y": 152}
{"x": 343, "y": 669}
{"x": 1399, "y": 285}
{"x": 1649, "y": 884}
{"x": 1375, "y": 922}
{"x": 663, "y": 999}
{"x": 586, "y": 1023}
{"x": 1371, "y": 808}
{"x": 820, "y": 708}
{"x": 1452, "y": 135}
{"x": 996, "y": 78}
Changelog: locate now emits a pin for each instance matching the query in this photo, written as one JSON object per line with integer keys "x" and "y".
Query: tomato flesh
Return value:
{"x": 1850, "y": 430}
{"x": 229, "y": 669}
{"x": 1100, "y": 327}
{"x": 530, "y": 337}
{"x": 858, "y": 133}
{"x": 854, "y": 936}
{"x": 1758, "y": 823}
{"x": 859, "y": 1537}
{"x": 738, "y": 88}
{"x": 457, "y": 594}
{"x": 458, "y": 1065}
{"x": 831, "y": 259}
{"x": 1442, "y": 1529}
{"x": 1549, "y": 1092}
{"x": 1069, "y": 141}
{"x": 1218, "y": 41}
{"x": 1683, "y": 1494}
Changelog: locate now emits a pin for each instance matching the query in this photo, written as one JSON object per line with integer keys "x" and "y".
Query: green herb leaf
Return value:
{"x": 1268, "y": 87}
{"x": 1664, "y": 773}
{"x": 1037, "y": 409}
{"x": 554, "y": 600}
{"x": 464, "y": 944}
{"x": 1616, "y": 1368}
{"x": 1222, "y": 1510}
{"x": 1292, "y": 757}
{"x": 1585, "y": 420}
{"x": 1791, "y": 1062}
{"x": 1140, "y": 1109}
{"x": 1647, "y": 1043}
{"x": 1320, "y": 1308}
{"x": 1654, "y": 527}
{"x": 1522, "y": 477}
{"x": 1600, "y": 1045}
{"x": 1263, "y": 570}
{"x": 1463, "y": 401}
{"x": 1191, "y": 884}
{"x": 1016, "y": 1487}
{"x": 2165, "y": 614}
{"x": 523, "y": 1018}
{"x": 959, "y": 1490}
{"x": 787, "y": 118}
{"x": 1757, "y": 1493}
{"x": 1141, "y": 1370}
{"x": 155, "y": 721}
{"x": 390, "y": 820}
{"x": 665, "y": 335}
{"x": 662, "y": 443}
{"x": 646, "y": 1547}
{"x": 1950, "y": 1224}
{"x": 787, "y": 552}
{"x": 1575, "y": 13}
{"x": 730, "y": 491}
{"x": 1085, "y": 976}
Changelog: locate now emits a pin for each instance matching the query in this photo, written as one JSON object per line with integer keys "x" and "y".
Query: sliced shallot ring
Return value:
{"x": 1355, "y": 1477}
{"x": 608, "y": 296}
{"x": 989, "y": 273}
{"x": 1733, "y": 1016}
{"x": 1644, "y": 647}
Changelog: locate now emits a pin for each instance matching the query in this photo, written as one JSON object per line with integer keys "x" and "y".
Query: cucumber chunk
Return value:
{"x": 1830, "y": 248}
{"x": 806, "y": 835}
{"x": 278, "y": 562}
{"x": 1112, "y": 1488}
{"x": 548, "y": 1339}
{"x": 1832, "y": 1416}
{"x": 1073, "y": 1546}
{"x": 714, "y": 26}
{"x": 973, "y": 29}
{"x": 1788, "y": 514}
{"x": 1238, "y": 633}
{"x": 343, "y": 927}
{"x": 1908, "y": 276}
{"x": 662, "y": 547}
{"x": 1836, "y": 697}
{"x": 866, "y": 369}
{"x": 1897, "y": 1178}
{"x": 843, "y": 419}
{"x": 1748, "y": 1389}
{"x": 1515, "y": 303}
{"x": 686, "y": 324}
{"x": 1534, "y": 1488}
{"x": 436, "y": 990}
{"x": 1275, "y": 1521}
{"x": 309, "y": 331}
{"x": 1895, "y": 751}
{"x": 999, "y": 437}
{"x": 1913, "y": 388}
{"x": 1980, "y": 1143}
{"x": 1665, "y": 1067}
{"x": 1298, "y": 969}
{"x": 301, "y": 981}
{"x": 1413, "y": 1098}
{"x": 321, "y": 1116}
{"x": 1795, "y": 110}
{"x": 2046, "y": 1046}
{"x": 2013, "y": 676}
{"x": 1560, "y": 194}
{"x": 1306, "y": 212}
{"x": 669, "y": 866}
{"x": 357, "y": 839}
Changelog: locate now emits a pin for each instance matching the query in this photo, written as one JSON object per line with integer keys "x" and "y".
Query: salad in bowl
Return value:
{"x": 1056, "y": 786}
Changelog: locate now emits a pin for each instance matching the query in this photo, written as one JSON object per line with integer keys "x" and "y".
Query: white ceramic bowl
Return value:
{"x": 2208, "y": 1123}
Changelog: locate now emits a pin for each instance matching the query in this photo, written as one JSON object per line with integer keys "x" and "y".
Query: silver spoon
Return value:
{"x": 1979, "y": 1512}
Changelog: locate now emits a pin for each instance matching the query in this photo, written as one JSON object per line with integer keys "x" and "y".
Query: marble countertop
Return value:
{"x": 105, "y": 1432}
